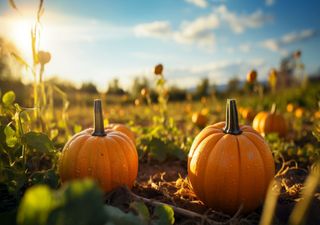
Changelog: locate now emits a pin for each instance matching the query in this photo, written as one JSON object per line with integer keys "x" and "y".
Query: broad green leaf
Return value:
{"x": 117, "y": 217}
{"x": 37, "y": 141}
{"x": 11, "y": 138}
{"x": 35, "y": 206}
{"x": 8, "y": 98}
{"x": 49, "y": 177}
{"x": 158, "y": 150}
{"x": 178, "y": 153}
{"x": 142, "y": 211}
{"x": 165, "y": 215}
{"x": 79, "y": 202}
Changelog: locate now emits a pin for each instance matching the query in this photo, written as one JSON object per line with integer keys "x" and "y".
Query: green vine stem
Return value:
{"x": 232, "y": 121}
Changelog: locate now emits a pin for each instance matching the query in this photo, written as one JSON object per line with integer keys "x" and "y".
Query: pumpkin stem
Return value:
{"x": 232, "y": 122}
{"x": 98, "y": 119}
{"x": 273, "y": 108}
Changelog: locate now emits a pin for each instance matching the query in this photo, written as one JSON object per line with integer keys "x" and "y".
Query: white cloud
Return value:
{"x": 277, "y": 45}
{"x": 158, "y": 29}
{"x": 297, "y": 36}
{"x": 199, "y": 3}
{"x": 198, "y": 32}
{"x": 270, "y": 2}
{"x": 238, "y": 23}
{"x": 246, "y": 47}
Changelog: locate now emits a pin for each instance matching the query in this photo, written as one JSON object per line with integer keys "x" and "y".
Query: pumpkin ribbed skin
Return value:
{"x": 112, "y": 159}
{"x": 124, "y": 129}
{"x": 266, "y": 122}
{"x": 227, "y": 171}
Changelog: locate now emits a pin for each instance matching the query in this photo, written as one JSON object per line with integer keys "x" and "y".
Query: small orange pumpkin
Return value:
{"x": 230, "y": 166}
{"x": 247, "y": 114}
{"x": 270, "y": 122}
{"x": 290, "y": 107}
{"x": 123, "y": 129}
{"x": 106, "y": 155}
{"x": 298, "y": 113}
{"x": 199, "y": 119}
{"x": 316, "y": 114}
{"x": 252, "y": 76}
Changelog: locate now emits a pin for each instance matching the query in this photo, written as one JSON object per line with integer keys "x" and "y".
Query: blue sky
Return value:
{"x": 220, "y": 39}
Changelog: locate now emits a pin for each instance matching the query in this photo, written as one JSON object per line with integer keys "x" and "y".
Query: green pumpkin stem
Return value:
{"x": 98, "y": 119}
{"x": 273, "y": 108}
{"x": 232, "y": 121}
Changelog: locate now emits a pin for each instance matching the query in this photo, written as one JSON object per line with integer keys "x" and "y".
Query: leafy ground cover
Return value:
{"x": 162, "y": 193}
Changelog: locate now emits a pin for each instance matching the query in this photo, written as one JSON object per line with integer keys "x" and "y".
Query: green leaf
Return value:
{"x": 11, "y": 138}
{"x": 8, "y": 98}
{"x": 79, "y": 202}
{"x": 38, "y": 141}
{"x": 35, "y": 206}
{"x": 77, "y": 128}
{"x": 49, "y": 177}
{"x": 157, "y": 149}
{"x": 142, "y": 211}
{"x": 117, "y": 217}
{"x": 165, "y": 215}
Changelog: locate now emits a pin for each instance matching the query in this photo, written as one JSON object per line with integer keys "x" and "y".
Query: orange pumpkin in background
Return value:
{"x": 270, "y": 122}
{"x": 106, "y": 155}
{"x": 247, "y": 114}
{"x": 298, "y": 113}
{"x": 316, "y": 115}
{"x": 230, "y": 166}
{"x": 123, "y": 129}
{"x": 290, "y": 107}
{"x": 252, "y": 76}
{"x": 199, "y": 119}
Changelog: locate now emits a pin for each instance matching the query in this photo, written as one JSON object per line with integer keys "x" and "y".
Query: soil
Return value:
{"x": 167, "y": 183}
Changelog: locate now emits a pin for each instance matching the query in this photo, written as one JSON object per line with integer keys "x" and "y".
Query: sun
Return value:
{"x": 20, "y": 34}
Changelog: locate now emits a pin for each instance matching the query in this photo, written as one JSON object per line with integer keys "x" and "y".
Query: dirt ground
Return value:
{"x": 167, "y": 183}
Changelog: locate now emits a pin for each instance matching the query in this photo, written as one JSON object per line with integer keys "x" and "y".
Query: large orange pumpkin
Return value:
{"x": 106, "y": 155}
{"x": 122, "y": 128}
{"x": 230, "y": 166}
{"x": 270, "y": 122}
